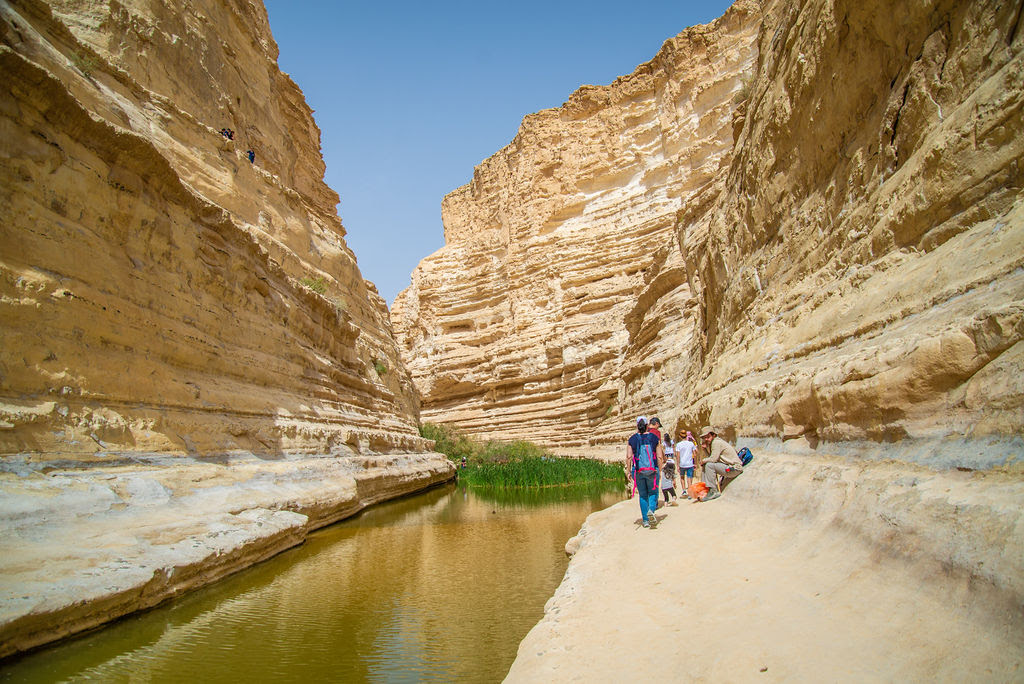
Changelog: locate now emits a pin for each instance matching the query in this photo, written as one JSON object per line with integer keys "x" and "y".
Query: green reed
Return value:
{"x": 515, "y": 464}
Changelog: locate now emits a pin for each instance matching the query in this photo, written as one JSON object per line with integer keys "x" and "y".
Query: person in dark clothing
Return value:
{"x": 251, "y": 155}
{"x": 645, "y": 455}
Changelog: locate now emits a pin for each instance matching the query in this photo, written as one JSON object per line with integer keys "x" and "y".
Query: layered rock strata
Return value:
{"x": 846, "y": 267}
{"x": 189, "y": 356}
{"x": 519, "y": 327}
{"x": 160, "y": 292}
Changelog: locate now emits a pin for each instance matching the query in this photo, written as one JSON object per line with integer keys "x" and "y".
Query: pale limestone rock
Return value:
{"x": 187, "y": 347}
{"x": 83, "y": 545}
{"x": 800, "y": 222}
{"x": 151, "y": 277}
{"x": 529, "y": 322}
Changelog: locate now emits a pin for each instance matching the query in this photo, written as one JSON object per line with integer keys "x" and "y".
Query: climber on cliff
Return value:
{"x": 721, "y": 460}
{"x": 644, "y": 456}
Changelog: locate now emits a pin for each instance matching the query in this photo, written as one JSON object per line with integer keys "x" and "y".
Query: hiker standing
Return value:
{"x": 685, "y": 449}
{"x": 644, "y": 455}
{"x": 721, "y": 460}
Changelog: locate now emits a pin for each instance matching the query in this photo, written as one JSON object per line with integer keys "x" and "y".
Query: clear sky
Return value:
{"x": 410, "y": 96}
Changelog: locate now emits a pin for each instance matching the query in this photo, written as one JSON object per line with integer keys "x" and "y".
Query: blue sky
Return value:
{"x": 410, "y": 96}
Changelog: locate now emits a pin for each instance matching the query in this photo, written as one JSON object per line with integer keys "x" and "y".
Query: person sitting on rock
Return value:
{"x": 721, "y": 461}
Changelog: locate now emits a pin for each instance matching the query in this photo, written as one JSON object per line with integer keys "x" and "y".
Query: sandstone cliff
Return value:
{"x": 529, "y": 322}
{"x": 193, "y": 372}
{"x": 801, "y": 222}
{"x": 153, "y": 279}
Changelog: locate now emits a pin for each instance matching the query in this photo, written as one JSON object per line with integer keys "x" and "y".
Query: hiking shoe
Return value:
{"x": 712, "y": 495}
{"x": 645, "y": 523}
{"x": 653, "y": 520}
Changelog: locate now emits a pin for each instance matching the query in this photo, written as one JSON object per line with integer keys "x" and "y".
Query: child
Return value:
{"x": 685, "y": 449}
{"x": 668, "y": 473}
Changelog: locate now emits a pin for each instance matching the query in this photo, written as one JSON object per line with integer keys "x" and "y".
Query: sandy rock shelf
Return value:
{"x": 785, "y": 580}
{"x": 80, "y": 547}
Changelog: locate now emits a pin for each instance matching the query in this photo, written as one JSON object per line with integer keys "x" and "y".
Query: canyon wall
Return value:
{"x": 529, "y": 322}
{"x": 193, "y": 372}
{"x": 801, "y": 223}
{"x": 160, "y": 292}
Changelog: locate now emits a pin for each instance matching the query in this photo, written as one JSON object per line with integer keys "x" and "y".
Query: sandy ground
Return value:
{"x": 726, "y": 591}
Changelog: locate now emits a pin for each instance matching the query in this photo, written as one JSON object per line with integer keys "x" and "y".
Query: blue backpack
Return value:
{"x": 745, "y": 456}
{"x": 646, "y": 457}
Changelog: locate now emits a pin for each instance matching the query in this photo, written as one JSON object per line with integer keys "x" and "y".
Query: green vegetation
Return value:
{"x": 380, "y": 367}
{"x": 515, "y": 464}
{"x": 84, "y": 63}
{"x": 316, "y": 284}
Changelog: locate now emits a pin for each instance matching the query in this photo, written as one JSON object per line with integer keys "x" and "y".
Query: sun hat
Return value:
{"x": 706, "y": 429}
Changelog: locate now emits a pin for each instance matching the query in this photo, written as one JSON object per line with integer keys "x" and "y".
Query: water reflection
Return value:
{"x": 437, "y": 587}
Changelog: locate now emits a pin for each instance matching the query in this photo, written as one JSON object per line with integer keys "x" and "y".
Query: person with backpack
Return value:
{"x": 668, "y": 474}
{"x": 645, "y": 455}
{"x": 721, "y": 461}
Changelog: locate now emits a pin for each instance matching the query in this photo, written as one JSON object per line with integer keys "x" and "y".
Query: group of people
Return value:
{"x": 653, "y": 459}
{"x": 230, "y": 135}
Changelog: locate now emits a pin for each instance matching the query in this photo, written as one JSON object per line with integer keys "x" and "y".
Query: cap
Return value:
{"x": 655, "y": 421}
{"x": 641, "y": 419}
{"x": 706, "y": 429}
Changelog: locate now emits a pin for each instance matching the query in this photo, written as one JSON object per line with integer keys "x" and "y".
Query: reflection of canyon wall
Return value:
{"x": 800, "y": 221}
{"x": 151, "y": 276}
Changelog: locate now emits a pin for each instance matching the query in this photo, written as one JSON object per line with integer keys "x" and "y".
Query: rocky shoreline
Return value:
{"x": 808, "y": 568}
{"x": 81, "y": 545}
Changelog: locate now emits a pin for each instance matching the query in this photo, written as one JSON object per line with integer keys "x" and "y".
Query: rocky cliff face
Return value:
{"x": 193, "y": 372}
{"x": 160, "y": 292}
{"x": 801, "y": 222}
{"x": 529, "y": 322}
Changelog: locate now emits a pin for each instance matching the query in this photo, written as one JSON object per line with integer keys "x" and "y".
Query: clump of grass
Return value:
{"x": 84, "y": 63}
{"x": 316, "y": 284}
{"x": 380, "y": 367}
{"x": 515, "y": 464}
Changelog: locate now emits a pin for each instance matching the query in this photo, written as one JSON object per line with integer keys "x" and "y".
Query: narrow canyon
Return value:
{"x": 802, "y": 223}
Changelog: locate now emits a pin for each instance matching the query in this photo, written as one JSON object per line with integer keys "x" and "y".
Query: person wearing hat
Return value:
{"x": 654, "y": 426}
{"x": 644, "y": 457}
{"x": 721, "y": 460}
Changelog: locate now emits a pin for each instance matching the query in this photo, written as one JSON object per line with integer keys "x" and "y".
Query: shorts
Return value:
{"x": 687, "y": 472}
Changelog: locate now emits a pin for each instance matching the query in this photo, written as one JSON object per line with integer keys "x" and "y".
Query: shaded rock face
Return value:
{"x": 161, "y": 293}
{"x": 800, "y": 222}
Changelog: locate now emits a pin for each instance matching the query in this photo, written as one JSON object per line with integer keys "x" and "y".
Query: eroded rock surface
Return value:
{"x": 193, "y": 372}
{"x": 529, "y": 322}
{"x": 153, "y": 295}
{"x": 802, "y": 222}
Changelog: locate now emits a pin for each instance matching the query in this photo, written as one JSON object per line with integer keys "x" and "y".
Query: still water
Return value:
{"x": 441, "y": 586}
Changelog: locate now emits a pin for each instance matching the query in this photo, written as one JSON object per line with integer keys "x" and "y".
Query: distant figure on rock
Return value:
{"x": 251, "y": 155}
{"x": 644, "y": 456}
{"x": 227, "y": 133}
{"x": 668, "y": 474}
{"x": 721, "y": 460}
{"x": 685, "y": 448}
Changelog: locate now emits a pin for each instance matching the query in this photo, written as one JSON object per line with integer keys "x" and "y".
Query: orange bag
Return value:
{"x": 697, "y": 491}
